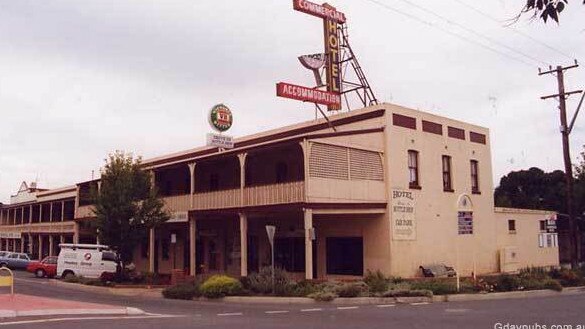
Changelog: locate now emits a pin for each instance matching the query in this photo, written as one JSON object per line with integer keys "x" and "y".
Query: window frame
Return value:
{"x": 512, "y": 226}
{"x": 413, "y": 168}
{"x": 474, "y": 166}
{"x": 447, "y": 170}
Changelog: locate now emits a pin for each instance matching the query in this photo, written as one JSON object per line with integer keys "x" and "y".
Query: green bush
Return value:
{"x": 304, "y": 288}
{"x": 568, "y": 277}
{"x": 323, "y": 296}
{"x": 505, "y": 282}
{"x": 261, "y": 282}
{"x": 219, "y": 286}
{"x": 182, "y": 291}
{"x": 552, "y": 285}
{"x": 538, "y": 273}
{"x": 376, "y": 281}
{"x": 353, "y": 289}
{"x": 438, "y": 287}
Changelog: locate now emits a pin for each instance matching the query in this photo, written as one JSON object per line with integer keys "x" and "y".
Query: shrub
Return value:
{"x": 219, "y": 286}
{"x": 376, "y": 281}
{"x": 538, "y": 273}
{"x": 323, "y": 296}
{"x": 438, "y": 287}
{"x": 304, "y": 288}
{"x": 568, "y": 277}
{"x": 552, "y": 285}
{"x": 353, "y": 289}
{"x": 505, "y": 282}
{"x": 261, "y": 282}
{"x": 182, "y": 291}
{"x": 407, "y": 293}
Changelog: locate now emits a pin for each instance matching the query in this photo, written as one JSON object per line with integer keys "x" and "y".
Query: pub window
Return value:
{"x": 413, "y": 179}
{"x": 447, "y": 180}
{"x": 144, "y": 248}
{"x": 542, "y": 225}
{"x": 474, "y": 176}
{"x": 511, "y": 226}
{"x": 290, "y": 254}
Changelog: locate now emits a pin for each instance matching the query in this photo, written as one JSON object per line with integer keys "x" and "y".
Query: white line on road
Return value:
{"x": 386, "y": 305}
{"x": 276, "y": 312}
{"x": 87, "y": 318}
{"x": 347, "y": 307}
{"x": 311, "y": 310}
{"x": 230, "y": 314}
{"x": 421, "y": 303}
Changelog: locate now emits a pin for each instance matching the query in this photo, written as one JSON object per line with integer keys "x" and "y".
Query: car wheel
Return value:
{"x": 67, "y": 275}
{"x": 40, "y": 273}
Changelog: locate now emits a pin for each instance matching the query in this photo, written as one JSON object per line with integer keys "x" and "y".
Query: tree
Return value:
{"x": 532, "y": 189}
{"x": 126, "y": 206}
{"x": 545, "y": 9}
{"x": 580, "y": 185}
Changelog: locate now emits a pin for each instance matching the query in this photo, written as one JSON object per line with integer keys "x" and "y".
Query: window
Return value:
{"x": 144, "y": 248}
{"x": 413, "y": 181}
{"x": 447, "y": 184}
{"x": 465, "y": 222}
{"x": 542, "y": 225}
{"x": 345, "y": 256}
{"x": 109, "y": 256}
{"x": 511, "y": 226}
{"x": 214, "y": 182}
{"x": 474, "y": 176}
{"x": 290, "y": 254}
{"x": 165, "y": 249}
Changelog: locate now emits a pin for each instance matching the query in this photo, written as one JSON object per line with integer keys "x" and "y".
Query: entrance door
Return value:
{"x": 253, "y": 252}
{"x": 199, "y": 259}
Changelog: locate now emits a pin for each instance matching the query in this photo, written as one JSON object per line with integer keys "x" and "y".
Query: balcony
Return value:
{"x": 262, "y": 195}
{"x": 84, "y": 212}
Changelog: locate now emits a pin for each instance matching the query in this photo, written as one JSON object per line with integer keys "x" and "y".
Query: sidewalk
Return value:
{"x": 25, "y": 305}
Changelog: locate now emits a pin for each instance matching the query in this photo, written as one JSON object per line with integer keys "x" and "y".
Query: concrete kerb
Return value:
{"x": 54, "y": 312}
{"x": 137, "y": 292}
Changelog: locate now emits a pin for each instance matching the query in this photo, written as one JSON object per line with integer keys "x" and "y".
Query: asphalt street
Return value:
{"x": 546, "y": 312}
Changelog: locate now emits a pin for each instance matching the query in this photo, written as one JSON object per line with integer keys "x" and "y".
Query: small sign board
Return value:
{"x": 465, "y": 222}
{"x": 221, "y": 141}
{"x": 173, "y": 238}
{"x": 179, "y": 217}
{"x": 270, "y": 230}
{"x": 10, "y": 235}
{"x": 220, "y": 117}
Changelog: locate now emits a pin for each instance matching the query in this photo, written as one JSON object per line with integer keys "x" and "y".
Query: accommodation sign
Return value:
{"x": 301, "y": 93}
{"x": 403, "y": 216}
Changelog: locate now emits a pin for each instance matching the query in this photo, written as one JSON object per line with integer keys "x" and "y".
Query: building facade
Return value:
{"x": 382, "y": 188}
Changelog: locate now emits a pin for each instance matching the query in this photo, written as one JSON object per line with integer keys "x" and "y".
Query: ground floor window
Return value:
{"x": 289, "y": 254}
{"x": 345, "y": 256}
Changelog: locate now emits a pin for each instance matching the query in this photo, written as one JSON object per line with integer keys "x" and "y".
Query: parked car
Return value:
{"x": 15, "y": 260}
{"x": 3, "y": 254}
{"x": 47, "y": 267}
{"x": 87, "y": 260}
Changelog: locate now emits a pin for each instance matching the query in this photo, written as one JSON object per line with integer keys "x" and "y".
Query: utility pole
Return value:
{"x": 565, "y": 132}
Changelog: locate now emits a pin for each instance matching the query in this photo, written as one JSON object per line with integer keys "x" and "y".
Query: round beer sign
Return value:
{"x": 220, "y": 117}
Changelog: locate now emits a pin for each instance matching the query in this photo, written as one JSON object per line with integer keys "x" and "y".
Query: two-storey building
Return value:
{"x": 382, "y": 188}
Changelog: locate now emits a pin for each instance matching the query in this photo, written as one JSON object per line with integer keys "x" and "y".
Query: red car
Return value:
{"x": 47, "y": 267}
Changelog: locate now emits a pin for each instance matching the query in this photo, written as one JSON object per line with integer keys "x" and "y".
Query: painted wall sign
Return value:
{"x": 218, "y": 140}
{"x": 465, "y": 222}
{"x": 301, "y": 93}
{"x": 403, "y": 216}
{"x": 332, "y": 66}
{"x": 322, "y": 11}
{"x": 220, "y": 117}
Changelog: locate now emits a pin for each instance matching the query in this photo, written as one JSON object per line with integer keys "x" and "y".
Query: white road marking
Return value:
{"x": 276, "y": 312}
{"x": 457, "y": 310}
{"x": 311, "y": 310}
{"x": 230, "y": 314}
{"x": 347, "y": 307}
{"x": 87, "y": 318}
{"x": 421, "y": 303}
{"x": 31, "y": 281}
{"x": 386, "y": 305}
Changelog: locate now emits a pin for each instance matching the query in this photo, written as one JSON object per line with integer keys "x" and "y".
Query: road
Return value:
{"x": 548, "y": 311}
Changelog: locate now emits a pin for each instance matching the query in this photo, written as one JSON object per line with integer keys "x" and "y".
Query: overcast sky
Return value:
{"x": 80, "y": 79}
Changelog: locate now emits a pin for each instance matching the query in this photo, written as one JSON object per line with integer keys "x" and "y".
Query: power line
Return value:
{"x": 472, "y": 31}
{"x": 526, "y": 35}
{"x": 459, "y": 36}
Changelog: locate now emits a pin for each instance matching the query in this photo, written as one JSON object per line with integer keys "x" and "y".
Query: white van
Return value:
{"x": 87, "y": 260}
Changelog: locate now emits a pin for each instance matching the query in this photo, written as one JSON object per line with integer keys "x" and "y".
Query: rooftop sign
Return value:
{"x": 306, "y": 94}
{"x": 220, "y": 118}
{"x": 322, "y": 11}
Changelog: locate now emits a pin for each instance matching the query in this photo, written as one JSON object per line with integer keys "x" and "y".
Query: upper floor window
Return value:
{"x": 413, "y": 179}
{"x": 474, "y": 176}
{"x": 447, "y": 180}
{"x": 214, "y": 182}
{"x": 281, "y": 172}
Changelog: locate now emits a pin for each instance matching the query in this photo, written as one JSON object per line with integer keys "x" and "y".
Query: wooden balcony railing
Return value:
{"x": 84, "y": 212}
{"x": 217, "y": 199}
{"x": 274, "y": 194}
{"x": 178, "y": 202}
